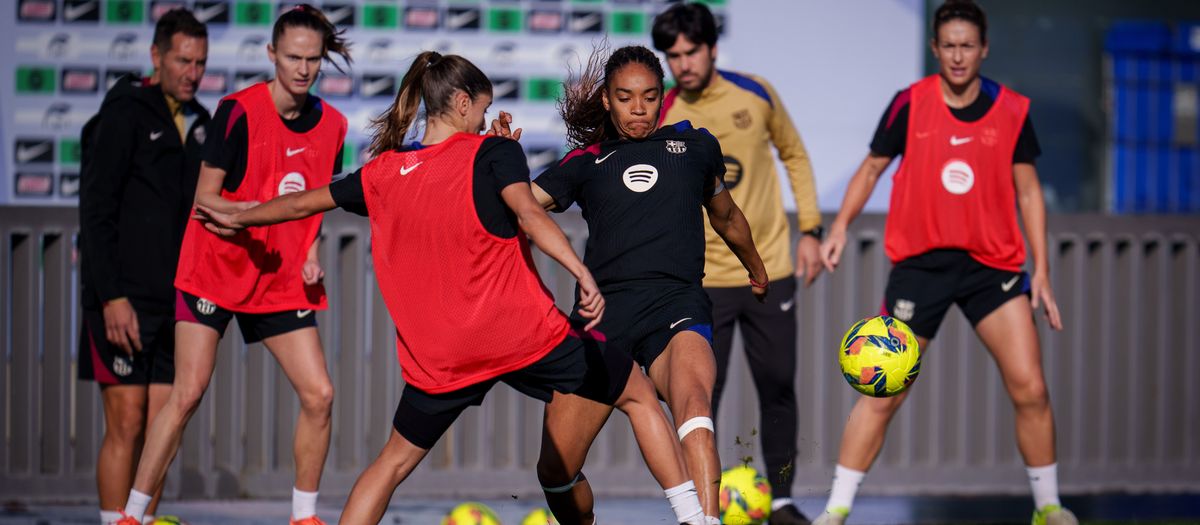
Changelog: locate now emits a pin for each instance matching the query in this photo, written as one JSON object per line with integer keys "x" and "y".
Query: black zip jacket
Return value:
{"x": 135, "y": 198}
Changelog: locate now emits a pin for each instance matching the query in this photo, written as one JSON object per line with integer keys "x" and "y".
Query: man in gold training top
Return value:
{"x": 746, "y": 116}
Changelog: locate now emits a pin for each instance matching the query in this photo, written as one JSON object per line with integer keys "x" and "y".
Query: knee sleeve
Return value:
{"x": 694, "y": 423}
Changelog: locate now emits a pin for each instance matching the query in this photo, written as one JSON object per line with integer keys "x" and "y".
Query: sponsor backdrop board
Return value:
{"x": 61, "y": 55}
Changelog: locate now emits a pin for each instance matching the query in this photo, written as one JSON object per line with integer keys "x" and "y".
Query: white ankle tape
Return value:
{"x": 694, "y": 423}
{"x": 564, "y": 488}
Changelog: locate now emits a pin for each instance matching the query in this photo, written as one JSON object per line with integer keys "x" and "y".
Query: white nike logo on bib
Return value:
{"x": 291, "y": 152}
{"x": 959, "y": 141}
{"x": 405, "y": 170}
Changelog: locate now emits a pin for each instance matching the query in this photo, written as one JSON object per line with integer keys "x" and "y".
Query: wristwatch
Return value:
{"x": 818, "y": 232}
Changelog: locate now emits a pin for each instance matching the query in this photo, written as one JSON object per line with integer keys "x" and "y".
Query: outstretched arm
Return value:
{"x": 1033, "y": 215}
{"x": 549, "y": 238}
{"x": 857, "y": 192}
{"x": 729, "y": 222}
{"x": 289, "y": 207}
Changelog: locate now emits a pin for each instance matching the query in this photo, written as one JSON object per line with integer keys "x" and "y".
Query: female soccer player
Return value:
{"x": 449, "y": 216}
{"x": 969, "y": 151}
{"x": 643, "y": 191}
{"x": 269, "y": 139}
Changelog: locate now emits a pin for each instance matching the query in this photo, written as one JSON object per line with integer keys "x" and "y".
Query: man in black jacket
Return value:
{"x": 141, "y": 159}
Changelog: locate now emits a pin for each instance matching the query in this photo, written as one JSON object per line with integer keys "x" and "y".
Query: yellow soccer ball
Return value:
{"x": 167, "y": 520}
{"x": 539, "y": 517}
{"x": 745, "y": 497}
{"x": 471, "y": 513}
{"x": 879, "y": 356}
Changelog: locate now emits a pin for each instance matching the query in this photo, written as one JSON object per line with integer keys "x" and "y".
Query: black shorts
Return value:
{"x": 921, "y": 289}
{"x": 577, "y": 366}
{"x": 254, "y": 327}
{"x": 641, "y": 318}
{"x": 106, "y": 364}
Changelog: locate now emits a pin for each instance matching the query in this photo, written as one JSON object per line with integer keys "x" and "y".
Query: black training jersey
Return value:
{"x": 642, "y": 201}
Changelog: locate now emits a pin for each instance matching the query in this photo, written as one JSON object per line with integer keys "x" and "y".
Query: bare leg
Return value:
{"x": 371, "y": 493}
{"x": 570, "y": 426}
{"x": 684, "y": 374}
{"x": 869, "y": 419}
{"x": 195, "y": 357}
{"x": 299, "y": 354}
{"x": 159, "y": 393}
{"x": 124, "y": 427}
{"x": 1011, "y": 337}
{"x": 655, "y": 436}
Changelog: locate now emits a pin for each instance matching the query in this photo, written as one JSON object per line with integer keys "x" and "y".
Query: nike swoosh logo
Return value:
{"x": 73, "y": 12}
{"x": 601, "y": 159}
{"x": 787, "y": 305}
{"x": 203, "y": 15}
{"x": 503, "y": 89}
{"x": 375, "y": 87}
{"x": 301, "y": 314}
{"x": 28, "y": 153}
{"x": 584, "y": 22}
{"x": 959, "y": 141}
{"x": 1011, "y": 282}
{"x": 405, "y": 170}
{"x": 337, "y": 16}
{"x": 70, "y": 187}
{"x": 461, "y": 19}
{"x": 291, "y": 152}
{"x": 676, "y": 323}
{"x": 155, "y": 134}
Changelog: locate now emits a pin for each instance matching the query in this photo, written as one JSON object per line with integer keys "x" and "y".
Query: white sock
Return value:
{"x": 135, "y": 507}
{"x": 779, "y": 503}
{"x": 712, "y": 520}
{"x": 108, "y": 517}
{"x": 845, "y": 487}
{"x": 686, "y": 503}
{"x": 304, "y": 504}
{"x": 1044, "y": 481}
{"x": 149, "y": 518}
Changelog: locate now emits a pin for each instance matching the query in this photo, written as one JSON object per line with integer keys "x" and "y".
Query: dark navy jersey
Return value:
{"x": 643, "y": 202}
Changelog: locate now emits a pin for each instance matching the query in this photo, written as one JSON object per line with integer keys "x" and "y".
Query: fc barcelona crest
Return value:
{"x": 676, "y": 146}
{"x": 742, "y": 119}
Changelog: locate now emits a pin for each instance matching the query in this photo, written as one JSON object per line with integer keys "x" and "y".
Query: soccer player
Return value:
{"x": 141, "y": 156}
{"x": 643, "y": 192}
{"x": 969, "y": 150}
{"x": 747, "y": 116}
{"x": 449, "y": 218}
{"x": 269, "y": 139}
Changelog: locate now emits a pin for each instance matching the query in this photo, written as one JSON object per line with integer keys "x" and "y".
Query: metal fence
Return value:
{"x": 1127, "y": 412}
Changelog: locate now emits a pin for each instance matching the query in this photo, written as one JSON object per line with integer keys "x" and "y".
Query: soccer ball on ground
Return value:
{"x": 745, "y": 496}
{"x": 879, "y": 356}
{"x": 539, "y": 517}
{"x": 167, "y": 520}
{"x": 471, "y": 513}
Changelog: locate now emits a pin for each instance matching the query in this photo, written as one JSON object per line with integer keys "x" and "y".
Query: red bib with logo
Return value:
{"x": 468, "y": 306}
{"x": 954, "y": 188}
{"x": 259, "y": 270}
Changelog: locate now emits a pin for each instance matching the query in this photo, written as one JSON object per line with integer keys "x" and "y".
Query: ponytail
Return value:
{"x": 432, "y": 79}
{"x": 305, "y": 15}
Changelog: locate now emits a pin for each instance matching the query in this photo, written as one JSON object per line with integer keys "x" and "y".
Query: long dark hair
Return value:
{"x": 582, "y": 107}
{"x": 305, "y": 15}
{"x": 965, "y": 10}
{"x": 432, "y": 78}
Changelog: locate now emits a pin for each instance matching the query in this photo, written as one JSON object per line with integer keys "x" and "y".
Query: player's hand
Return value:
{"x": 502, "y": 127}
{"x": 121, "y": 325}
{"x": 220, "y": 223}
{"x": 808, "y": 259}
{"x": 591, "y": 303}
{"x": 312, "y": 272}
{"x": 831, "y": 249}
{"x": 1043, "y": 295}
{"x": 760, "y": 292}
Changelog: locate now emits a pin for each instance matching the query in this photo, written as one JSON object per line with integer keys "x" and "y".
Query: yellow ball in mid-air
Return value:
{"x": 879, "y": 356}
